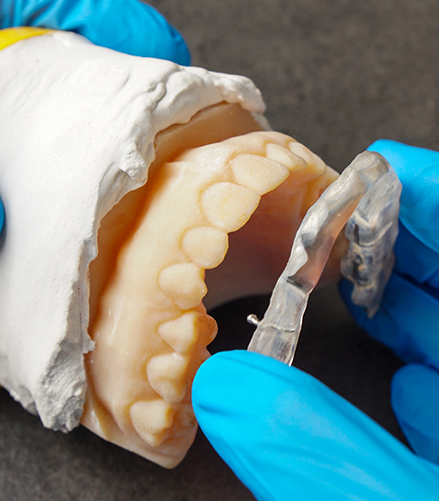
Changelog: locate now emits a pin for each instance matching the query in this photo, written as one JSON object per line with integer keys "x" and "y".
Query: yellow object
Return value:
{"x": 12, "y": 35}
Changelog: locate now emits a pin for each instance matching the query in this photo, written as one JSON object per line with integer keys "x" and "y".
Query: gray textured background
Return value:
{"x": 336, "y": 76}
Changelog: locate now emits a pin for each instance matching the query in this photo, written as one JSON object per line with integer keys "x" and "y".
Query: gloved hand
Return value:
{"x": 128, "y": 26}
{"x": 287, "y": 436}
{"x": 408, "y": 320}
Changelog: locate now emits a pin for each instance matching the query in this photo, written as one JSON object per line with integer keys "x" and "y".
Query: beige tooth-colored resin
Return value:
{"x": 148, "y": 321}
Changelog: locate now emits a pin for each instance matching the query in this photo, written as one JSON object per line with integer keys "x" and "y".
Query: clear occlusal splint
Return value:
{"x": 365, "y": 201}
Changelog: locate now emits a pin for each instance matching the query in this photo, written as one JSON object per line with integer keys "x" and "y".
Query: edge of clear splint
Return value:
{"x": 365, "y": 199}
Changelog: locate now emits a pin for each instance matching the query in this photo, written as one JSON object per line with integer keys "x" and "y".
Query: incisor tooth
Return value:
{"x": 166, "y": 376}
{"x": 181, "y": 333}
{"x": 229, "y": 206}
{"x": 184, "y": 283}
{"x": 258, "y": 173}
{"x": 293, "y": 162}
{"x": 151, "y": 419}
{"x": 206, "y": 246}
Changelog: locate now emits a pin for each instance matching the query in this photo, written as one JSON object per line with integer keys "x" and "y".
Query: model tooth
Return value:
{"x": 151, "y": 419}
{"x": 185, "y": 416}
{"x": 249, "y": 143}
{"x": 207, "y": 330}
{"x": 229, "y": 206}
{"x": 181, "y": 333}
{"x": 184, "y": 283}
{"x": 310, "y": 158}
{"x": 258, "y": 173}
{"x": 206, "y": 246}
{"x": 280, "y": 154}
{"x": 166, "y": 376}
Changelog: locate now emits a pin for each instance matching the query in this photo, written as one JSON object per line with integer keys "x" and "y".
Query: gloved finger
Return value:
{"x": 415, "y": 390}
{"x": 415, "y": 260}
{"x": 418, "y": 171}
{"x": 287, "y": 436}
{"x": 407, "y": 321}
{"x": 128, "y": 26}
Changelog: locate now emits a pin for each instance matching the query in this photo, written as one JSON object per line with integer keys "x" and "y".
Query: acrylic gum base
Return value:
{"x": 147, "y": 317}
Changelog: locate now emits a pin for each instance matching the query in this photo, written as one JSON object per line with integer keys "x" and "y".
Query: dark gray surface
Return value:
{"x": 336, "y": 76}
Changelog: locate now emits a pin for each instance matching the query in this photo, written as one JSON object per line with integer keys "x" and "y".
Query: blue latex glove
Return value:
{"x": 127, "y": 26}
{"x": 287, "y": 436}
{"x": 408, "y": 320}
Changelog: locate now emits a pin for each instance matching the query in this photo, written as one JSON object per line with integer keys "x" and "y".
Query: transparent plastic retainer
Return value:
{"x": 365, "y": 198}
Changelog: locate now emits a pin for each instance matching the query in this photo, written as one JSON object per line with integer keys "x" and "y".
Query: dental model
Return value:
{"x": 124, "y": 179}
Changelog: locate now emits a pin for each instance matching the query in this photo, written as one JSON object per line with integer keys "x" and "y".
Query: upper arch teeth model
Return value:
{"x": 124, "y": 179}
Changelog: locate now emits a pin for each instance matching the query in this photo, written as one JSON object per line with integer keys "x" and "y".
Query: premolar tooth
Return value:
{"x": 206, "y": 246}
{"x": 258, "y": 173}
{"x": 229, "y": 206}
{"x": 185, "y": 283}
{"x": 181, "y": 333}
{"x": 151, "y": 420}
{"x": 166, "y": 376}
{"x": 293, "y": 162}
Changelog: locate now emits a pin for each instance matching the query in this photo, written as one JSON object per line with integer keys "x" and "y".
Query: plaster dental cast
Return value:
{"x": 316, "y": 444}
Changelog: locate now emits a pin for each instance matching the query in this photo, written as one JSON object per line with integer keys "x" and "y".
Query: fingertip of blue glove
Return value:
{"x": 418, "y": 171}
{"x": 415, "y": 391}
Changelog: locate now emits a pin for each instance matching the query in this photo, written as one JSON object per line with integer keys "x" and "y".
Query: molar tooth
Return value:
{"x": 293, "y": 162}
{"x": 229, "y": 206}
{"x": 206, "y": 246}
{"x": 166, "y": 375}
{"x": 181, "y": 333}
{"x": 185, "y": 283}
{"x": 207, "y": 329}
{"x": 248, "y": 143}
{"x": 258, "y": 173}
{"x": 185, "y": 416}
{"x": 152, "y": 420}
{"x": 310, "y": 158}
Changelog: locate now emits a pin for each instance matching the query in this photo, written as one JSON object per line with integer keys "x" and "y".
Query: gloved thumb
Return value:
{"x": 415, "y": 401}
{"x": 286, "y": 436}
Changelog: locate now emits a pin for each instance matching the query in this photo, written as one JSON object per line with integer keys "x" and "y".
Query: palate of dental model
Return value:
{"x": 122, "y": 178}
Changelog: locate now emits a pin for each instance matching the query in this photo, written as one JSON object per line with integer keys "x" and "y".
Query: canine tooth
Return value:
{"x": 228, "y": 205}
{"x": 258, "y": 173}
{"x": 292, "y": 161}
{"x": 151, "y": 419}
{"x": 206, "y": 246}
{"x": 181, "y": 333}
{"x": 166, "y": 376}
{"x": 184, "y": 282}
